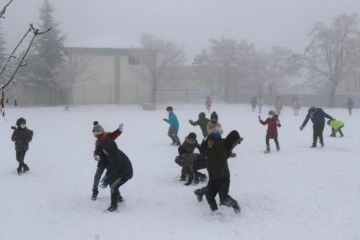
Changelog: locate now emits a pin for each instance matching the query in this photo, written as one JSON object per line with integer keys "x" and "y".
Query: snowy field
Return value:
{"x": 296, "y": 194}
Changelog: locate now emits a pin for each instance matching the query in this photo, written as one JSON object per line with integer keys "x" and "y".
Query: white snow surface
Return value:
{"x": 298, "y": 193}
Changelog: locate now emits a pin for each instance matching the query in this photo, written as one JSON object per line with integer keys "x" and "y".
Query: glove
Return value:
{"x": 164, "y": 119}
{"x": 301, "y": 128}
{"x": 104, "y": 183}
{"x": 97, "y": 158}
{"x": 13, "y": 128}
{"x": 233, "y": 155}
{"x": 121, "y": 126}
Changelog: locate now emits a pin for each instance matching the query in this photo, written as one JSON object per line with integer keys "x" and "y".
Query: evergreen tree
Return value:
{"x": 47, "y": 58}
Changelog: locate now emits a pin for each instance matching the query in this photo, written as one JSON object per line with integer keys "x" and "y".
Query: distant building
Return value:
{"x": 117, "y": 75}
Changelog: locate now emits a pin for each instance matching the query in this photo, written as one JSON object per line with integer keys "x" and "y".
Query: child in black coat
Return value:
{"x": 21, "y": 136}
{"x": 119, "y": 171}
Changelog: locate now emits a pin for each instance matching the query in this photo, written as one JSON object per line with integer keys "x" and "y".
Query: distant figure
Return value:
{"x": 336, "y": 126}
{"x": 214, "y": 126}
{"x": 295, "y": 106}
{"x": 260, "y": 103}
{"x": 208, "y": 103}
{"x": 317, "y": 116}
{"x": 174, "y": 126}
{"x": 22, "y": 136}
{"x": 349, "y": 105}
{"x": 278, "y": 104}
{"x": 253, "y": 103}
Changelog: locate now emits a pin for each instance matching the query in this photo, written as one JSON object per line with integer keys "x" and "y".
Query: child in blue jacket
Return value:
{"x": 174, "y": 126}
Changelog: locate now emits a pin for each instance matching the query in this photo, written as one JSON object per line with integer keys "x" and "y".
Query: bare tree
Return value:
{"x": 276, "y": 66}
{"x": 21, "y": 57}
{"x": 160, "y": 58}
{"x": 329, "y": 54}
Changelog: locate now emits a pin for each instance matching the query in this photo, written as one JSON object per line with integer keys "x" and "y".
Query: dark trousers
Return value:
{"x": 20, "y": 157}
{"x": 318, "y": 133}
{"x": 114, "y": 189}
{"x": 267, "y": 140}
{"x": 339, "y": 130}
{"x": 220, "y": 187}
{"x": 172, "y": 133}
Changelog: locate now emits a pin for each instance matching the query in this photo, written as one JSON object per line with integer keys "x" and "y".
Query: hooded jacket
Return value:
{"x": 317, "y": 116}
{"x": 217, "y": 164}
{"x": 202, "y": 122}
{"x": 336, "y": 124}
{"x": 22, "y": 137}
{"x": 229, "y": 141}
{"x": 119, "y": 163}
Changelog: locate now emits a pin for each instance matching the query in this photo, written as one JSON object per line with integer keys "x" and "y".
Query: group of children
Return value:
{"x": 214, "y": 152}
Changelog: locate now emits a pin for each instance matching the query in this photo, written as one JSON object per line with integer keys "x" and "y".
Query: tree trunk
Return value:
{"x": 332, "y": 96}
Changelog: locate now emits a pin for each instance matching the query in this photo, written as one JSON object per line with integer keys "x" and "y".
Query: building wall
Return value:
{"x": 115, "y": 81}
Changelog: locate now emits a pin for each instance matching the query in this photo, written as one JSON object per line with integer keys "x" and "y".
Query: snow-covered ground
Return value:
{"x": 298, "y": 193}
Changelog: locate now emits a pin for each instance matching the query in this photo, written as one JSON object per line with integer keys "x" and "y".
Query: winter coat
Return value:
{"x": 350, "y": 104}
{"x": 173, "y": 121}
{"x": 119, "y": 164}
{"x": 187, "y": 147}
{"x": 229, "y": 141}
{"x": 336, "y": 124}
{"x": 98, "y": 149}
{"x": 22, "y": 137}
{"x": 217, "y": 164}
{"x": 214, "y": 127}
{"x": 273, "y": 123}
{"x": 202, "y": 122}
{"x": 317, "y": 117}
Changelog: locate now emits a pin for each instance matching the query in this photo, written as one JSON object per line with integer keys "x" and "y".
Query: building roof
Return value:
{"x": 105, "y": 41}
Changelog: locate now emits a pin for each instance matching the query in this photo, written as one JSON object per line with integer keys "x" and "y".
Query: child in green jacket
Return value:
{"x": 336, "y": 126}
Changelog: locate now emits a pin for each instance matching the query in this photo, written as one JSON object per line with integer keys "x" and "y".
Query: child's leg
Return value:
{"x": 333, "y": 132}
{"x": 114, "y": 189}
{"x": 340, "y": 131}
{"x": 210, "y": 195}
{"x": 98, "y": 173}
{"x": 267, "y": 141}
{"x": 277, "y": 144}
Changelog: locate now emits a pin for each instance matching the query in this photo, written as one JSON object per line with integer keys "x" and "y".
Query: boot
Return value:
{"x": 94, "y": 195}
{"x": 19, "y": 170}
{"x": 322, "y": 144}
{"x": 113, "y": 207}
{"x": 25, "y": 168}
{"x": 236, "y": 207}
{"x": 199, "y": 194}
{"x": 120, "y": 199}
{"x": 313, "y": 145}
{"x": 267, "y": 150}
{"x": 278, "y": 148}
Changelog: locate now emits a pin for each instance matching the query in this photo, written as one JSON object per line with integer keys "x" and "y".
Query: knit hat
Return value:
{"x": 214, "y": 116}
{"x": 272, "y": 113}
{"x": 20, "y": 121}
{"x": 97, "y": 129}
{"x": 169, "y": 108}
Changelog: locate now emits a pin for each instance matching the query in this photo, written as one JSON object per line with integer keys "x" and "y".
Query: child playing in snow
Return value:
{"x": 273, "y": 123}
{"x": 190, "y": 161}
{"x": 99, "y": 155}
{"x": 119, "y": 171}
{"x": 174, "y": 126}
{"x": 214, "y": 125}
{"x": 219, "y": 174}
{"x": 21, "y": 136}
{"x": 336, "y": 126}
{"x": 202, "y": 122}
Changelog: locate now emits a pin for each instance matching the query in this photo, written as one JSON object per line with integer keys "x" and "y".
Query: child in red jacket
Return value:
{"x": 273, "y": 123}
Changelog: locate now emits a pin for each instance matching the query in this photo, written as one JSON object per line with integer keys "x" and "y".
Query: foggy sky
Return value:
{"x": 191, "y": 23}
